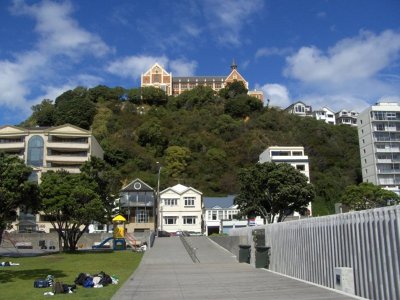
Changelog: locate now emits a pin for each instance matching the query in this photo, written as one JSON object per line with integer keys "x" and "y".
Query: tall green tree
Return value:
{"x": 108, "y": 183}
{"x": 75, "y": 107}
{"x": 367, "y": 195}
{"x": 71, "y": 203}
{"x": 273, "y": 191}
{"x": 16, "y": 191}
{"x": 233, "y": 89}
{"x": 44, "y": 113}
{"x": 177, "y": 159}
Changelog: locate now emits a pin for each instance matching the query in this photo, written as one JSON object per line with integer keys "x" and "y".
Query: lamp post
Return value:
{"x": 159, "y": 217}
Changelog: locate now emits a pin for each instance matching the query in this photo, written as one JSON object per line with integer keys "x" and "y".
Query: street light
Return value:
{"x": 159, "y": 217}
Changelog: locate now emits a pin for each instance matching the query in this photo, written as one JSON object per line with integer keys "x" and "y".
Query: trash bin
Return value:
{"x": 244, "y": 253}
{"x": 262, "y": 257}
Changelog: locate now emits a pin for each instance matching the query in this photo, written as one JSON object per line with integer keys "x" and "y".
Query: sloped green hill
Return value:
{"x": 202, "y": 139}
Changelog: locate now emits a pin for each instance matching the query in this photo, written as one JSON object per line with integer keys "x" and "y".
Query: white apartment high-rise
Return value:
{"x": 379, "y": 137}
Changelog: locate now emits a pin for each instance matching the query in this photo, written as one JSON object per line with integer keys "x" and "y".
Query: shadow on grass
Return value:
{"x": 9, "y": 275}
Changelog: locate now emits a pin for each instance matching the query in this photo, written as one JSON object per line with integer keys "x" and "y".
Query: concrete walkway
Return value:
{"x": 167, "y": 272}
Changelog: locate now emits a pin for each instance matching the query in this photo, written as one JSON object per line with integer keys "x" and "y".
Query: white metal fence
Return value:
{"x": 310, "y": 249}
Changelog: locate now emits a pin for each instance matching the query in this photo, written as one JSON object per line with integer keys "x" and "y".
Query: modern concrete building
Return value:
{"x": 379, "y": 138}
{"x": 158, "y": 77}
{"x": 137, "y": 204}
{"x": 181, "y": 209}
{"x": 346, "y": 117}
{"x": 325, "y": 114}
{"x": 292, "y": 155}
{"x": 64, "y": 147}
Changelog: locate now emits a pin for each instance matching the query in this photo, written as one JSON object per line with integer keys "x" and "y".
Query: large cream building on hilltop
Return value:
{"x": 158, "y": 77}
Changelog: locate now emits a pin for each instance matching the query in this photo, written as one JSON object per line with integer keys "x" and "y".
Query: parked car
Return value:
{"x": 163, "y": 233}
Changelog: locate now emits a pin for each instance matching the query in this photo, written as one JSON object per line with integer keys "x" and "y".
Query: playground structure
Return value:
{"x": 120, "y": 237}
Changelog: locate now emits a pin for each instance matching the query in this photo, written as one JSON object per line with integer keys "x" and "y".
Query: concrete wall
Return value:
{"x": 310, "y": 249}
{"x": 230, "y": 243}
{"x": 51, "y": 239}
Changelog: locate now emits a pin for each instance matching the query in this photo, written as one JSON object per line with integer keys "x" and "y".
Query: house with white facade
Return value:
{"x": 292, "y": 155}
{"x": 325, "y": 114}
{"x": 299, "y": 108}
{"x": 346, "y": 117}
{"x": 181, "y": 209}
{"x": 379, "y": 139}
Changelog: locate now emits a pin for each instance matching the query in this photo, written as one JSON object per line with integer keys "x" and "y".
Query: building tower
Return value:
{"x": 379, "y": 138}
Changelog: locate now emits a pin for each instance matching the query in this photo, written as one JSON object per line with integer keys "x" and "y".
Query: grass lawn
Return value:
{"x": 16, "y": 282}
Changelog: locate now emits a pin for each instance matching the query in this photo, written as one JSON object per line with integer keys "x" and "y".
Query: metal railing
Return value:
{"x": 190, "y": 249}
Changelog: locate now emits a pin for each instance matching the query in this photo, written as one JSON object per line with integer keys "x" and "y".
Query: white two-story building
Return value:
{"x": 180, "y": 209}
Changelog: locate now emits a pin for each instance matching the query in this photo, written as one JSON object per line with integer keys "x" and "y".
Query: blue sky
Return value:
{"x": 339, "y": 53}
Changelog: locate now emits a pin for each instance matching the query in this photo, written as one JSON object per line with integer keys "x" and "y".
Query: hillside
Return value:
{"x": 202, "y": 139}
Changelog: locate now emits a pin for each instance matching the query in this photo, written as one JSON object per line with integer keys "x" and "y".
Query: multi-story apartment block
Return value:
{"x": 137, "y": 204}
{"x": 325, "y": 114}
{"x": 181, "y": 209}
{"x": 379, "y": 138}
{"x": 346, "y": 117}
{"x": 64, "y": 147}
{"x": 299, "y": 108}
{"x": 158, "y": 77}
{"x": 292, "y": 155}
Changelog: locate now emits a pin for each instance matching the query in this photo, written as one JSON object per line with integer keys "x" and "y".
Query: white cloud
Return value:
{"x": 134, "y": 66}
{"x": 58, "y": 35}
{"x": 277, "y": 94}
{"x": 59, "y": 32}
{"x": 227, "y": 18}
{"x": 181, "y": 67}
{"x": 356, "y": 58}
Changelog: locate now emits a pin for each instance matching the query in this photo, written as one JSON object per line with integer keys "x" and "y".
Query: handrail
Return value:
{"x": 190, "y": 249}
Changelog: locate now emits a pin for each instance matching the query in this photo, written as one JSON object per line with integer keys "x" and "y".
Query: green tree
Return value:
{"x": 367, "y": 195}
{"x": 242, "y": 106}
{"x": 153, "y": 96}
{"x": 273, "y": 191}
{"x": 177, "y": 159}
{"x": 71, "y": 203}
{"x": 74, "y": 107}
{"x": 233, "y": 89}
{"x": 108, "y": 183}
{"x": 44, "y": 113}
{"x": 15, "y": 190}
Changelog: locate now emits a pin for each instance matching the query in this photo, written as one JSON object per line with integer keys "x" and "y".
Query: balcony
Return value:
{"x": 66, "y": 158}
{"x": 67, "y": 146}
{"x": 69, "y": 169}
{"x": 12, "y": 146}
{"x": 389, "y": 171}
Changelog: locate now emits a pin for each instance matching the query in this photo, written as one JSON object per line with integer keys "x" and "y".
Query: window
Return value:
{"x": 189, "y": 220}
{"x": 35, "y": 151}
{"x": 214, "y": 215}
{"x": 189, "y": 201}
{"x": 171, "y": 202}
{"x": 297, "y": 153}
{"x": 142, "y": 216}
{"x": 170, "y": 220}
{"x": 300, "y": 167}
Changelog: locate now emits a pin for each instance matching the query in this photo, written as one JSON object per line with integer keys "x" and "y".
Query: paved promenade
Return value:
{"x": 167, "y": 272}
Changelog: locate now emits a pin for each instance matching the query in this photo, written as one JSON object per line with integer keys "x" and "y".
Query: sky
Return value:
{"x": 344, "y": 54}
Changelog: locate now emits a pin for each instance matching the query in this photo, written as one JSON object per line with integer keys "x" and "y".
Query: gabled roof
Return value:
{"x": 12, "y": 130}
{"x": 137, "y": 185}
{"x": 180, "y": 189}
{"x": 219, "y": 202}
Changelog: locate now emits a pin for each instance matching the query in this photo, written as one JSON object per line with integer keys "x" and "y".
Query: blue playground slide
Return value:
{"x": 102, "y": 243}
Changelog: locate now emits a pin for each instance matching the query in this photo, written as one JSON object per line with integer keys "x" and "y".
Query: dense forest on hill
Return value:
{"x": 202, "y": 139}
